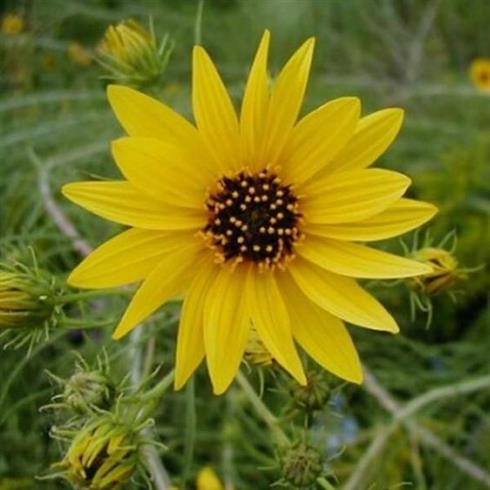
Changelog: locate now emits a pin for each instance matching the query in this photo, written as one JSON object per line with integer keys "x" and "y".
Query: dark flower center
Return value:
{"x": 253, "y": 217}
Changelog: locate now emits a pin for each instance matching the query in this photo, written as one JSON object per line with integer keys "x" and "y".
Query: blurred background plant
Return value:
{"x": 421, "y": 417}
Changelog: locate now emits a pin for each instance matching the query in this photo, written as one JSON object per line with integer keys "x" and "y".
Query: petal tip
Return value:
{"x": 113, "y": 90}
{"x": 117, "y": 335}
{"x": 357, "y": 377}
{"x": 74, "y": 279}
{"x": 121, "y": 330}
{"x": 219, "y": 389}
{"x": 67, "y": 190}
{"x": 178, "y": 383}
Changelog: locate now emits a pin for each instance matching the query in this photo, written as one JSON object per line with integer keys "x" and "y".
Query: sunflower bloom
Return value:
{"x": 12, "y": 24}
{"x": 252, "y": 219}
{"x": 480, "y": 74}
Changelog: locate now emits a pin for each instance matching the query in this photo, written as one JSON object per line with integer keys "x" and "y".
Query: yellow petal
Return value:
{"x": 341, "y": 296}
{"x": 402, "y": 216}
{"x": 351, "y": 196}
{"x": 254, "y": 106}
{"x": 162, "y": 171}
{"x": 126, "y": 258}
{"x": 121, "y": 202}
{"x": 354, "y": 260}
{"x": 285, "y": 103}
{"x": 215, "y": 116}
{"x": 190, "y": 339}
{"x": 374, "y": 134}
{"x": 271, "y": 320}
{"x": 226, "y": 327}
{"x": 323, "y": 336}
{"x": 318, "y": 137}
{"x": 144, "y": 116}
{"x": 170, "y": 278}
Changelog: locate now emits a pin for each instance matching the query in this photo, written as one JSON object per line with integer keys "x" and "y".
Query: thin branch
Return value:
{"x": 401, "y": 415}
{"x": 449, "y": 391}
{"x": 364, "y": 466}
{"x": 55, "y": 212}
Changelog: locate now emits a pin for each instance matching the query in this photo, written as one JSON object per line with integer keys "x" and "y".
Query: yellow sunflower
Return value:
{"x": 252, "y": 219}
{"x": 480, "y": 73}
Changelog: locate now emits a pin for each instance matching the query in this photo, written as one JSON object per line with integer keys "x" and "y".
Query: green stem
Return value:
{"x": 198, "y": 23}
{"x": 190, "y": 430}
{"x": 324, "y": 483}
{"x": 70, "y": 298}
{"x": 159, "y": 389}
{"x": 84, "y": 324}
{"x": 262, "y": 410}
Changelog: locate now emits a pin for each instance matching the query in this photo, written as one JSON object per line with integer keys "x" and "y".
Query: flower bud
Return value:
{"x": 86, "y": 389}
{"x": 104, "y": 455}
{"x": 131, "y": 56}
{"x": 301, "y": 464}
{"x": 26, "y": 298}
{"x": 314, "y": 395}
{"x": 445, "y": 271}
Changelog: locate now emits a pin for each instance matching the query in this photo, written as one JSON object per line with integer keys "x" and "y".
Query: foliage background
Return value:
{"x": 56, "y": 124}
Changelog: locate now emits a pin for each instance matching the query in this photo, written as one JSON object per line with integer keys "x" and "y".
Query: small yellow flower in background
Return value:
{"x": 207, "y": 479}
{"x": 445, "y": 272}
{"x": 103, "y": 456}
{"x": 12, "y": 24}
{"x": 78, "y": 54}
{"x": 253, "y": 218}
{"x": 480, "y": 73}
{"x": 131, "y": 54}
{"x": 48, "y": 61}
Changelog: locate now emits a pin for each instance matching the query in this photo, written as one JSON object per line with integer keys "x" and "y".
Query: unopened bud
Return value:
{"x": 314, "y": 395}
{"x": 132, "y": 56}
{"x": 445, "y": 271}
{"x": 104, "y": 455}
{"x": 301, "y": 464}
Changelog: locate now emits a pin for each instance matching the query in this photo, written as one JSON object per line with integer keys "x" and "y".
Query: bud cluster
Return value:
{"x": 106, "y": 428}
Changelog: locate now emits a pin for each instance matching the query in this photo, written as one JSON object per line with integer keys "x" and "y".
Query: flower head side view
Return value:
{"x": 253, "y": 219}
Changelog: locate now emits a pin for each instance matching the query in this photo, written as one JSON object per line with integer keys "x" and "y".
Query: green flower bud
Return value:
{"x": 26, "y": 298}
{"x": 314, "y": 395}
{"x": 29, "y": 305}
{"x": 301, "y": 464}
{"x": 86, "y": 389}
{"x": 132, "y": 56}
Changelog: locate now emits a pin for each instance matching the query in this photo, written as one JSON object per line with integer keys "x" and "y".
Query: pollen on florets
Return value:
{"x": 253, "y": 217}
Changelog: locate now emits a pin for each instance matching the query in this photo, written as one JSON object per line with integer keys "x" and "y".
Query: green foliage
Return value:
{"x": 56, "y": 124}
